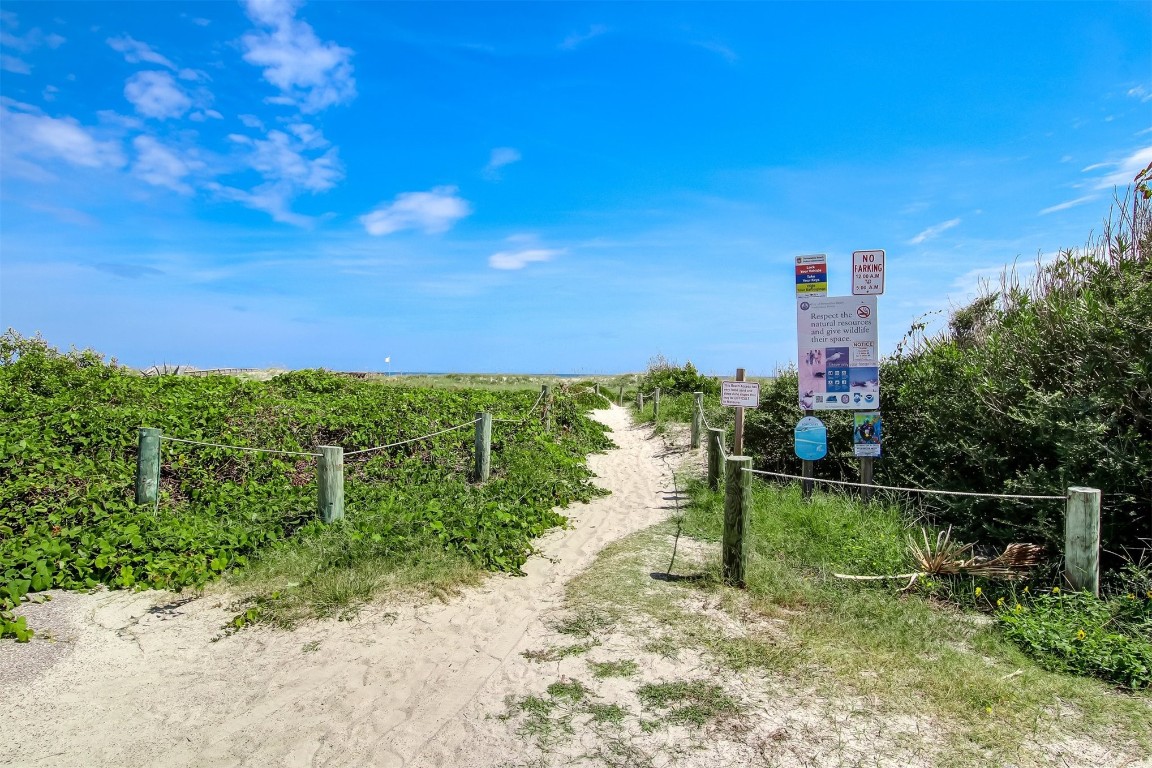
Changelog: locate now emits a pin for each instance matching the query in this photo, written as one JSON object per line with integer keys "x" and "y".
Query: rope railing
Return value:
{"x": 237, "y": 447}
{"x": 410, "y": 440}
{"x": 527, "y": 413}
{"x": 910, "y": 490}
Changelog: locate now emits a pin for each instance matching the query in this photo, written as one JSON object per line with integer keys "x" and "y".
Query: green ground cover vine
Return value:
{"x": 68, "y": 433}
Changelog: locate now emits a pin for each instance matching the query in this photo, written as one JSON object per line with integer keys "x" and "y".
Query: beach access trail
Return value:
{"x": 135, "y": 679}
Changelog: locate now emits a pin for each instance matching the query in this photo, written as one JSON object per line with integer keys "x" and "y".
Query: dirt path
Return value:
{"x": 134, "y": 679}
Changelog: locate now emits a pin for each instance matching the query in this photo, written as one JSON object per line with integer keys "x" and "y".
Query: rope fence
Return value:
{"x": 330, "y": 464}
{"x": 910, "y": 490}
{"x": 412, "y": 440}
{"x": 237, "y": 447}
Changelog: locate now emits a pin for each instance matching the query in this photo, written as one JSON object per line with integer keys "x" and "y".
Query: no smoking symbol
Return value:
{"x": 863, "y": 311}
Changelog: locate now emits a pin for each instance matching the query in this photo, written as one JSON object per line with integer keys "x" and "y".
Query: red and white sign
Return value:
{"x": 867, "y": 273}
{"x": 740, "y": 394}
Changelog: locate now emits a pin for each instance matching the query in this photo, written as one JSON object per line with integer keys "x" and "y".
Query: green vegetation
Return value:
{"x": 909, "y": 652}
{"x": 693, "y": 702}
{"x": 68, "y": 518}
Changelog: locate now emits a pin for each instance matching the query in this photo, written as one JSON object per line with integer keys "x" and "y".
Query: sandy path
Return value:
{"x": 140, "y": 682}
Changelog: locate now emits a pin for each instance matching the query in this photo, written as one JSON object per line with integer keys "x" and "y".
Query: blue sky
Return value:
{"x": 541, "y": 187}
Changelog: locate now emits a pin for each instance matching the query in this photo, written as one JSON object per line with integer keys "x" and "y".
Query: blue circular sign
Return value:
{"x": 811, "y": 439}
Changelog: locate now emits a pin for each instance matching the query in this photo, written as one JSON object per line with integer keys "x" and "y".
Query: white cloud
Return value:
{"x": 251, "y": 121}
{"x": 933, "y": 231}
{"x": 1141, "y": 93}
{"x": 520, "y": 259}
{"x": 1068, "y": 204}
{"x": 433, "y": 212}
{"x": 1124, "y": 170}
{"x": 289, "y": 168}
{"x": 156, "y": 94}
{"x": 500, "y": 157}
{"x": 136, "y": 52}
{"x": 27, "y": 135}
{"x": 14, "y": 65}
{"x": 719, "y": 49}
{"x": 311, "y": 74}
{"x": 577, "y": 39}
{"x": 161, "y": 166}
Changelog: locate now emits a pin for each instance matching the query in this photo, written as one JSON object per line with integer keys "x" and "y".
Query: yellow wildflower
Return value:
{"x": 1080, "y": 635}
{"x": 979, "y": 591}
{"x": 1055, "y": 590}
{"x": 1018, "y": 608}
{"x": 999, "y": 602}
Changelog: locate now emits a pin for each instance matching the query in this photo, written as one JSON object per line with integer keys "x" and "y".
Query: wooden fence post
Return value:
{"x": 808, "y": 469}
{"x": 866, "y": 477}
{"x": 656, "y": 405}
{"x": 148, "y": 466}
{"x": 1082, "y": 539}
{"x": 715, "y": 441}
{"x": 738, "y": 429}
{"x": 596, "y": 387}
{"x": 620, "y": 398}
{"x": 547, "y": 390}
{"x": 483, "y": 446}
{"x": 737, "y": 506}
{"x": 640, "y": 402}
{"x": 697, "y": 418}
{"x": 330, "y": 479}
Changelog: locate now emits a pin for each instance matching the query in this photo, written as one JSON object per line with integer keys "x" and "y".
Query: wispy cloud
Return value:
{"x": 155, "y": 93}
{"x": 310, "y": 74}
{"x": 1123, "y": 170}
{"x": 719, "y": 49}
{"x": 522, "y": 258}
{"x": 933, "y": 231}
{"x": 136, "y": 52}
{"x": 1068, "y": 204}
{"x": 576, "y": 39}
{"x": 500, "y": 157}
{"x": 291, "y": 163}
{"x": 1141, "y": 93}
{"x": 26, "y": 43}
{"x": 432, "y": 212}
{"x": 28, "y": 136}
{"x": 163, "y": 166}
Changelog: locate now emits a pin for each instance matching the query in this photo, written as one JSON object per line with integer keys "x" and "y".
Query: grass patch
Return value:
{"x": 571, "y": 690}
{"x": 693, "y": 702}
{"x": 612, "y": 714}
{"x": 556, "y": 653}
{"x": 583, "y": 623}
{"x": 606, "y": 669}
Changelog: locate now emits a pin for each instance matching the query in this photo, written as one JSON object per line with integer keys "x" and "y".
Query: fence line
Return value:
{"x": 912, "y": 490}
{"x": 238, "y": 447}
{"x": 526, "y": 413}
{"x": 412, "y": 440}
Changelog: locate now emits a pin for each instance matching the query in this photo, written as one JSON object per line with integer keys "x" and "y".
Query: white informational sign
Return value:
{"x": 740, "y": 394}
{"x": 838, "y": 358}
{"x": 867, "y": 273}
{"x": 812, "y": 275}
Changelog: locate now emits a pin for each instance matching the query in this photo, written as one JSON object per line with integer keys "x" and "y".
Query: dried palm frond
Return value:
{"x": 942, "y": 556}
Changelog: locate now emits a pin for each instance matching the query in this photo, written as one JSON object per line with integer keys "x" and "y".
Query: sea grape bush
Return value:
{"x": 68, "y": 432}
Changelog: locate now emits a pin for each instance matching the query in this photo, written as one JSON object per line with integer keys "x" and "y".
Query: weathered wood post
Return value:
{"x": 330, "y": 479}
{"x": 620, "y": 397}
{"x": 148, "y": 466}
{"x": 640, "y": 402}
{"x": 808, "y": 469}
{"x": 547, "y": 390}
{"x": 483, "y": 446}
{"x": 656, "y": 405}
{"x": 697, "y": 418}
{"x": 715, "y": 442}
{"x": 738, "y": 430}
{"x": 1082, "y": 539}
{"x": 596, "y": 387}
{"x": 737, "y": 506}
{"x": 866, "y": 477}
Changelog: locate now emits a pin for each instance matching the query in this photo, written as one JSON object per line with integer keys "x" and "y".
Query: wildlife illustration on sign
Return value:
{"x": 811, "y": 439}
{"x": 838, "y": 359}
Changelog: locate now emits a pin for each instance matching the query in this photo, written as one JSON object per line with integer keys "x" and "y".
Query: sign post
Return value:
{"x": 738, "y": 431}
{"x": 867, "y": 432}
